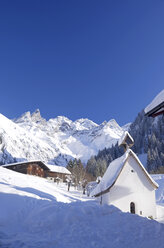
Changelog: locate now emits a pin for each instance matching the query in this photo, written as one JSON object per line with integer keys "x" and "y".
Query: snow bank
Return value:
{"x": 159, "y": 179}
{"x": 35, "y": 213}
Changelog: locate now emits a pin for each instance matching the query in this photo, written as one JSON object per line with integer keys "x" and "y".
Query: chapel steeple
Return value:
{"x": 126, "y": 141}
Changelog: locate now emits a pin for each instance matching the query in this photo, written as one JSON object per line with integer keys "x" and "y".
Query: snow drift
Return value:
{"x": 37, "y": 213}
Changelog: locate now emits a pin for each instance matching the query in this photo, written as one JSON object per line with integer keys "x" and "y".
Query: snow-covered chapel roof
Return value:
{"x": 113, "y": 171}
{"x": 156, "y": 106}
{"x": 123, "y": 140}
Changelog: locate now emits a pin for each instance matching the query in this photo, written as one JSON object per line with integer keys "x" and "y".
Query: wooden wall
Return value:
{"x": 35, "y": 169}
{"x": 62, "y": 176}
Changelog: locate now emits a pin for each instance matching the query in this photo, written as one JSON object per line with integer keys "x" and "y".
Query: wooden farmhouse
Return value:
{"x": 58, "y": 172}
{"x": 38, "y": 168}
{"x": 156, "y": 107}
{"x": 127, "y": 185}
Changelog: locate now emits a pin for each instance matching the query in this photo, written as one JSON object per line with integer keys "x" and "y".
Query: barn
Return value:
{"x": 38, "y": 168}
{"x": 57, "y": 172}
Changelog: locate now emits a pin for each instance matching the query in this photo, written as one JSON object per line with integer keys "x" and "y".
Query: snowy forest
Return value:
{"x": 148, "y": 135}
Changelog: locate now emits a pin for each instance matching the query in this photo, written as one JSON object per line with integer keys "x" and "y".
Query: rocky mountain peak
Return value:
{"x": 31, "y": 137}
{"x": 27, "y": 117}
{"x": 36, "y": 116}
{"x": 84, "y": 124}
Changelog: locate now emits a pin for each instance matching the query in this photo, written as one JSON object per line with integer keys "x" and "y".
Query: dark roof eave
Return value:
{"x": 153, "y": 111}
{"x": 28, "y": 162}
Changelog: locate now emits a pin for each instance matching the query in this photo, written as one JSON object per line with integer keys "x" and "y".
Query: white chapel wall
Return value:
{"x": 132, "y": 186}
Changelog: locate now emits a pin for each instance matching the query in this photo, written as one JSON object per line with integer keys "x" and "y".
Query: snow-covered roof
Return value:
{"x": 53, "y": 168}
{"x": 156, "y": 104}
{"x": 123, "y": 138}
{"x": 22, "y": 162}
{"x": 58, "y": 169}
{"x": 113, "y": 171}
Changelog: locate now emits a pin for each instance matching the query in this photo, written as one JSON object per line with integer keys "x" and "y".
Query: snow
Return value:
{"x": 159, "y": 178}
{"x": 143, "y": 158}
{"x": 110, "y": 175}
{"x": 143, "y": 168}
{"x": 113, "y": 172}
{"x": 8, "y": 165}
{"x": 53, "y": 168}
{"x": 126, "y": 133}
{"x": 37, "y": 213}
{"x": 59, "y": 169}
{"x": 126, "y": 127}
{"x": 156, "y": 101}
{"x": 55, "y": 141}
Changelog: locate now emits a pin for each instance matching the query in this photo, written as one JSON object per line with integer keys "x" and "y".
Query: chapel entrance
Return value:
{"x": 132, "y": 208}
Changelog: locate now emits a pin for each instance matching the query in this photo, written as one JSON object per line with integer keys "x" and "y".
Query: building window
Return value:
{"x": 132, "y": 208}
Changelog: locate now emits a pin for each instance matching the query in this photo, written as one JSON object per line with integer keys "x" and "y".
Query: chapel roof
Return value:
{"x": 114, "y": 170}
{"x": 126, "y": 140}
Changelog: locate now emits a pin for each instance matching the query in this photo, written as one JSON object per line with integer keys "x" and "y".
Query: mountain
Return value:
{"x": 148, "y": 135}
{"x": 31, "y": 137}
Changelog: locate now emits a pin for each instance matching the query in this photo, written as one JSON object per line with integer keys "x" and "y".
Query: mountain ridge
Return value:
{"x": 54, "y": 141}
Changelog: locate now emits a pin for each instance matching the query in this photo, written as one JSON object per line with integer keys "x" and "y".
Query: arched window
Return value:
{"x": 132, "y": 208}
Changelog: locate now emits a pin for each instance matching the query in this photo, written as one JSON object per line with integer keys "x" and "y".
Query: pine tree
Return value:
{"x": 148, "y": 135}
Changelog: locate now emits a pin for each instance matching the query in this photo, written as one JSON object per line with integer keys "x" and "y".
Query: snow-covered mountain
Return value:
{"x": 31, "y": 137}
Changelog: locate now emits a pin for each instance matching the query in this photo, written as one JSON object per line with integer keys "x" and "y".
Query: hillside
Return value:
{"x": 56, "y": 141}
{"x": 148, "y": 135}
{"x": 38, "y": 213}
{"x": 31, "y": 137}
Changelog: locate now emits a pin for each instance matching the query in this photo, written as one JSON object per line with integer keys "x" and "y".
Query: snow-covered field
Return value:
{"x": 36, "y": 213}
{"x": 160, "y": 196}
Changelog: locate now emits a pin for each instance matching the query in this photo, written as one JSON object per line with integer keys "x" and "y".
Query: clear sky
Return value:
{"x": 81, "y": 58}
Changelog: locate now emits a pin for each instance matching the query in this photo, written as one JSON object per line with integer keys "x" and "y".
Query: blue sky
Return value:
{"x": 81, "y": 59}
